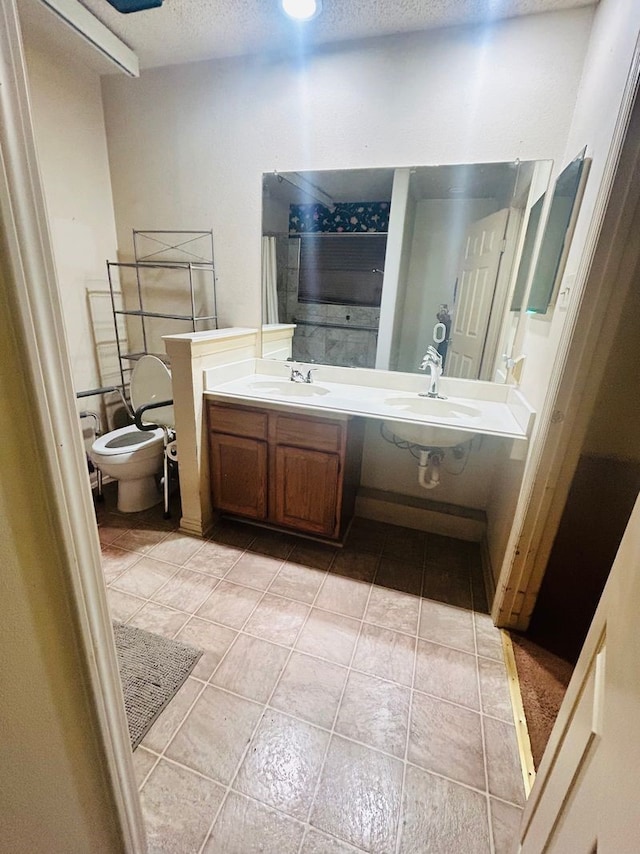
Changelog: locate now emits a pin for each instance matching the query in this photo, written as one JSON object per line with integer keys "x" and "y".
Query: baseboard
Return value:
{"x": 435, "y": 517}
{"x": 195, "y": 527}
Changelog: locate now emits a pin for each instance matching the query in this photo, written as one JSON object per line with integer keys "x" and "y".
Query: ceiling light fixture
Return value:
{"x": 301, "y": 10}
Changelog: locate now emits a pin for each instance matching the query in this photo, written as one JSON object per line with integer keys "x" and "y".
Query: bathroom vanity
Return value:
{"x": 291, "y": 470}
{"x": 288, "y": 454}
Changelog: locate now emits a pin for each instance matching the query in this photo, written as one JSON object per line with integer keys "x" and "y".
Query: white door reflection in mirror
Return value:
{"x": 484, "y": 245}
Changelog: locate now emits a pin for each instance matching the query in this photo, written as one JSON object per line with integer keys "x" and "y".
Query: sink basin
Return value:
{"x": 286, "y": 388}
{"x": 434, "y": 406}
{"x": 430, "y": 435}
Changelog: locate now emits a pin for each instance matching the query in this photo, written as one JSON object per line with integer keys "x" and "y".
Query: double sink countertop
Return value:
{"x": 470, "y": 406}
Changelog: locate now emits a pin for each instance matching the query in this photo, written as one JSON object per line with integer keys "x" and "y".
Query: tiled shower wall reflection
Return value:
{"x": 320, "y": 337}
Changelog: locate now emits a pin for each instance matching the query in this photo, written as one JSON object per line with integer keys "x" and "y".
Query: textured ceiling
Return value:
{"x": 190, "y": 30}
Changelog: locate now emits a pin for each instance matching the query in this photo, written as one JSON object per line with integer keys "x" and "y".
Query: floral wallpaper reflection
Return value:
{"x": 343, "y": 216}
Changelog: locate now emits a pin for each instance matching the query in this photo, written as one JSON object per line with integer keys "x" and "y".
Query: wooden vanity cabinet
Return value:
{"x": 297, "y": 472}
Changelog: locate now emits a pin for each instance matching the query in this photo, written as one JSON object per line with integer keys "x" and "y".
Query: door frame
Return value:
{"x": 607, "y": 269}
{"x": 36, "y": 315}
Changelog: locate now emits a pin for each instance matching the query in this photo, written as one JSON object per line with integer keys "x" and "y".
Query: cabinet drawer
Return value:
{"x": 313, "y": 433}
{"x": 238, "y": 422}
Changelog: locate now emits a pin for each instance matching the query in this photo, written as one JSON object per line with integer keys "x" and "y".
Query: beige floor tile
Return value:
{"x": 244, "y": 827}
{"x": 358, "y": 798}
{"x": 115, "y": 561}
{"x": 478, "y": 590}
{"x": 299, "y": 582}
{"x": 283, "y": 764}
{"x": 214, "y": 558}
{"x": 446, "y": 739}
{"x": 406, "y": 546}
{"x": 108, "y": 533}
{"x": 329, "y": 636}
{"x": 503, "y": 761}
{"x": 122, "y": 605}
{"x": 313, "y": 555}
{"x": 360, "y": 566}
{"x": 143, "y": 762}
{"x": 140, "y": 540}
{"x": 319, "y": 843}
{"x": 255, "y": 570}
{"x": 506, "y": 824}
{"x": 447, "y": 584}
{"x": 215, "y": 734}
{"x": 494, "y": 690}
{"x": 343, "y": 596}
{"x": 488, "y": 637}
{"x": 277, "y": 619}
{"x": 145, "y": 577}
{"x": 394, "y": 610}
{"x": 447, "y": 673}
{"x": 447, "y": 625}
{"x": 212, "y": 639}
{"x": 232, "y": 533}
{"x": 230, "y": 604}
{"x": 310, "y": 689}
{"x": 375, "y": 712}
{"x": 172, "y": 716}
{"x": 400, "y": 575}
{"x": 365, "y": 535}
{"x": 382, "y": 652}
{"x": 251, "y": 668}
{"x": 273, "y": 544}
{"x": 178, "y": 808}
{"x": 158, "y": 619}
{"x": 186, "y": 591}
{"x": 441, "y": 817}
{"x": 446, "y": 551}
{"x": 177, "y": 548}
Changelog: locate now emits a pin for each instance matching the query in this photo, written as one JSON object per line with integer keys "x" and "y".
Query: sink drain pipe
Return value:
{"x": 429, "y": 468}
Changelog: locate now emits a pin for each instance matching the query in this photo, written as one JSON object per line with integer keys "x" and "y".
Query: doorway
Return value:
{"x": 603, "y": 491}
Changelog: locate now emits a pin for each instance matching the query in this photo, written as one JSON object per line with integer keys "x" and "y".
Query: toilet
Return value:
{"x": 135, "y": 457}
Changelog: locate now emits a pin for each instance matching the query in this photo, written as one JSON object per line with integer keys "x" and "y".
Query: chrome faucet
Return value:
{"x": 432, "y": 361}
{"x": 298, "y": 376}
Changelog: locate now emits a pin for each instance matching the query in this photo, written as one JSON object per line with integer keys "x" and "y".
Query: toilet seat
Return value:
{"x": 151, "y": 383}
{"x": 127, "y": 440}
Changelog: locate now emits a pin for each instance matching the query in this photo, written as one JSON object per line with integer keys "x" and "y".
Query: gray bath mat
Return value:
{"x": 152, "y": 668}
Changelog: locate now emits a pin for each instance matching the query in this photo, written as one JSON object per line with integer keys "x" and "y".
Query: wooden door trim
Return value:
{"x": 607, "y": 269}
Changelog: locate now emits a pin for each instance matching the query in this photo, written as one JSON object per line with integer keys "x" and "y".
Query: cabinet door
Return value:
{"x": 239, "y": 475}
{"x": 307, "y": 489}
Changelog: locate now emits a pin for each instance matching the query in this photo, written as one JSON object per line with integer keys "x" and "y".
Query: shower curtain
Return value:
{"x": 269, "y": 281}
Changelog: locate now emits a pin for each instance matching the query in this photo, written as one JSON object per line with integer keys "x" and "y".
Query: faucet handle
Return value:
{"x": 309, "y": 375}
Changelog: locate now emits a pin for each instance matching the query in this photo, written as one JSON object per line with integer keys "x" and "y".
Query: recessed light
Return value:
{"x": 301, "y": 10}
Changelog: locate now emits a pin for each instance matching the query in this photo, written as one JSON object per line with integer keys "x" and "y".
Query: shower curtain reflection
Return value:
{"x": 269, "y": 281}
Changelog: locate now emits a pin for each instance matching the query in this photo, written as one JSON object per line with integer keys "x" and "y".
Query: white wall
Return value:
{"x": 615, "y": 32}
{"x": 188, "y": 144}
{"x": 68, "y": 120}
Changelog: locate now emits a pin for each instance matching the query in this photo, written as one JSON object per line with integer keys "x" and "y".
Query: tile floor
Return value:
{"x": 347, "y": 700}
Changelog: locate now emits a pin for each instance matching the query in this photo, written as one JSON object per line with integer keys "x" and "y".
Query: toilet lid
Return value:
{"x": 151, "y": 383}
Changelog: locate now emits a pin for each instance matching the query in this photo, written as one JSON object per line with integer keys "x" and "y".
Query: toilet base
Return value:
{"x": 139, "y": 494}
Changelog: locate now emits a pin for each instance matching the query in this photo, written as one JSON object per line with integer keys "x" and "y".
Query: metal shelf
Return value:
{"x": 188, "y": 253}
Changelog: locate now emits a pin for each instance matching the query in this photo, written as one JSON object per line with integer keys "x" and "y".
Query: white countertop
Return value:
{"x": 471, "y": 407}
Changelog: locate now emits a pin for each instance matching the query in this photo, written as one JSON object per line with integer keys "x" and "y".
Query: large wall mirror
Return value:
{"x": 375, "y": 265}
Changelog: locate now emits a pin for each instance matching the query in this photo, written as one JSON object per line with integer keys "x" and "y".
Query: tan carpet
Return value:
{"x": 544, "y": 678}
